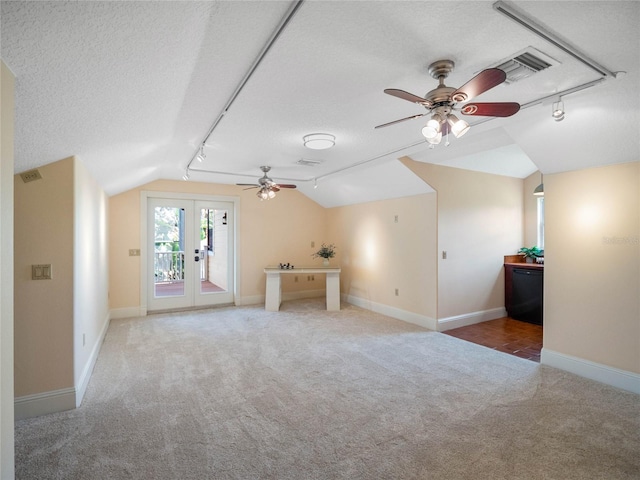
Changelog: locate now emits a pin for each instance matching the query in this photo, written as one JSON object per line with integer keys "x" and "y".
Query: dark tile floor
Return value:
{"x": 507, "y": 335}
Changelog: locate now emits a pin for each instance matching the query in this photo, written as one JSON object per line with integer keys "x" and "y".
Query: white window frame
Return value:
{"x": 540, "y": 229}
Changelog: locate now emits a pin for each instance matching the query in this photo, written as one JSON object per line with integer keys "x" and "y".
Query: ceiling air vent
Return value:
{"x": 307, "y": 162}
{"x": 30, "y": 176}
{"x": 524, "y": 64}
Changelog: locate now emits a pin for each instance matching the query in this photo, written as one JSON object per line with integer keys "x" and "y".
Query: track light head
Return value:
{"x": 557, "y": 111}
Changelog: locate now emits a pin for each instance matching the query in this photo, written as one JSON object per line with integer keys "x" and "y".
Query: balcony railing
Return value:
{"x": 169, "y": 266}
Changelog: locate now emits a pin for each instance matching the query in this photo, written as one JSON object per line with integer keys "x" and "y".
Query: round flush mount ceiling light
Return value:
{"x": 319, "y": 141}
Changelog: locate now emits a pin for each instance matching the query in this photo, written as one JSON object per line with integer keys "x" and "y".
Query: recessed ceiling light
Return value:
{"x": 319, "y": 141}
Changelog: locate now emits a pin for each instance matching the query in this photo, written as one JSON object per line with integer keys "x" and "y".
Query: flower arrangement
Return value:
{"x": 326, "y": 251}
{"x": 533, "y": 252}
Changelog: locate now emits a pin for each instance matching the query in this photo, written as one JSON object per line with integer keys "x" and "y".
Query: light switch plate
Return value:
{"x": 41, "y": 272}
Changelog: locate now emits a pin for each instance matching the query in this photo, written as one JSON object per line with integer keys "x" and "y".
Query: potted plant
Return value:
{"x": 326, "y": 252}
{"x": 531, "y": 254}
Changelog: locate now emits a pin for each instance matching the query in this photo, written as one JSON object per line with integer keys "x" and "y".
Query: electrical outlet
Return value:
{"x": 134, "y": 252}
{"x": 396, "y": 292}
{"x": 313, "y": 278}
{"x": 295, "y": 279}
{"x": 395, "y": 219}
{"x": 313, "y": 244}
{"x": 444, "y": 254}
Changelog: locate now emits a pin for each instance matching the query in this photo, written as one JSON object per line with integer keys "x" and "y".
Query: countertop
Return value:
{"x": 532, "y": 266}
{"x": 518, "y": 261}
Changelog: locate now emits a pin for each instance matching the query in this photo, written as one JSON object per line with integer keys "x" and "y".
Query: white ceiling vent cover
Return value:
{"x": 30, "y": 176}
{"x": 307, "y": 162}
{"x": 524, "y": 64}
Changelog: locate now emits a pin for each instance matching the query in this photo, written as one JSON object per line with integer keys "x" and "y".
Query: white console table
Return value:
{"x": 273, "y": 295}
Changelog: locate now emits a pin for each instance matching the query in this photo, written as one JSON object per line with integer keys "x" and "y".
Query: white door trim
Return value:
{"x": 144, "y": 196}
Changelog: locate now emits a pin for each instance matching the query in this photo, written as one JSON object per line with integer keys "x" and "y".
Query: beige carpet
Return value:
{"x": 240, "y": 393}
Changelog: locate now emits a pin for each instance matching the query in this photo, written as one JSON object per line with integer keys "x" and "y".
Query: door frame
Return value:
{"x": 144, "y": 197}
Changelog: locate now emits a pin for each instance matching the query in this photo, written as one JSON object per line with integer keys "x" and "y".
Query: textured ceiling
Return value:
{"x": 132, "y": 88}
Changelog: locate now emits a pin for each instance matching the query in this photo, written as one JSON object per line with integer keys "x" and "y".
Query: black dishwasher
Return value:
{"x": 526, "y": 299}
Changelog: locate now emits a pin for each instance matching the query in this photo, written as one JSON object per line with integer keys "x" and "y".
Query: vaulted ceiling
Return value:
{"x": 134, "y": 88}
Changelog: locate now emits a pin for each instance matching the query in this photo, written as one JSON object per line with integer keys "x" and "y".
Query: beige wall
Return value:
{"x": 44, "y": 214}
{"x": 592, "y": 265}
{"x": 60, "y": 220}
{"x": 379, "y": 255}
{"x": 530, "y": 203}
{"x": 269, "y": 232}
{"x": 7, "y": 108}
{"x": 91, "y": 275}
{"x": 480, "y": 219}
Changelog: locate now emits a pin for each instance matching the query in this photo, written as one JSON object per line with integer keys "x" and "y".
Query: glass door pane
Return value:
{"x": 213, "y": 250}
{"x": 170, "y": 258}
{"x": 169, "y": 251}
{"x": 215, "y": 237}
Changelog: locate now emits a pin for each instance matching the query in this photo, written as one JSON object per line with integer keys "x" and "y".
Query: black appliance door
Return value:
{"x": 526, "y": 300}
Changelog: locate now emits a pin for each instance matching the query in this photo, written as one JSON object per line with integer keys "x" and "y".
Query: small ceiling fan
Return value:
{"x": 441, "y": 102}
{"x": 268, "y": 187}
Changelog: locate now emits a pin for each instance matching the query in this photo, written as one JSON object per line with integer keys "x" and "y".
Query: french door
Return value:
{"x": 190, "y": 252}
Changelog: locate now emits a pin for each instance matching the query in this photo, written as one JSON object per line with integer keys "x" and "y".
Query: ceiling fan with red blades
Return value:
{"x": 441, "y": 102}
{"x": 268, "y": 187}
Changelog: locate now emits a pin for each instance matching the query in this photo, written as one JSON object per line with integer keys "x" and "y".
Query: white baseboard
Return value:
{"x": 594, "y": 371}
{"x": 128, "y": 312}
{"x": 54, "y": 401}
{"x": 81, "y": 386}
{"x": 449, "y": 323}
{"x": 405, "y": 316}
{"x": 44, "y": 403}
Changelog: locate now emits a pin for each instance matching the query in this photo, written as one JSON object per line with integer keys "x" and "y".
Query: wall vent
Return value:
{"x": 307, "y": 162}
{"x": 525, "y": 64}
{"x": 30, "y": 176}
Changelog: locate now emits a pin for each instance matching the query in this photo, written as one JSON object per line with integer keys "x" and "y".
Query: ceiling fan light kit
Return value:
{"x": 266, "y": 193}
{"x": 441, "y": 101}
{"x": 319, "y": 141}
{"x": 458, "y": 127}
{"x": 267, "y": 187}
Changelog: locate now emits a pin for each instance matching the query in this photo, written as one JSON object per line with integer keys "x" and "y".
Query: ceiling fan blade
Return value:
{"x": 482, "y": 82}
{"x": 274, "y": 187}
{"x": 499, "y": 109}
{"x": 247, "y": 185}
{"x": 285, "y": 185}
{"x": 408, "y": 96}
{"x": 401, "y": 120}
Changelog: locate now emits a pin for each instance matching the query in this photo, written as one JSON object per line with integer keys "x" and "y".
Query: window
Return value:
{"x": 540, "y": 242}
